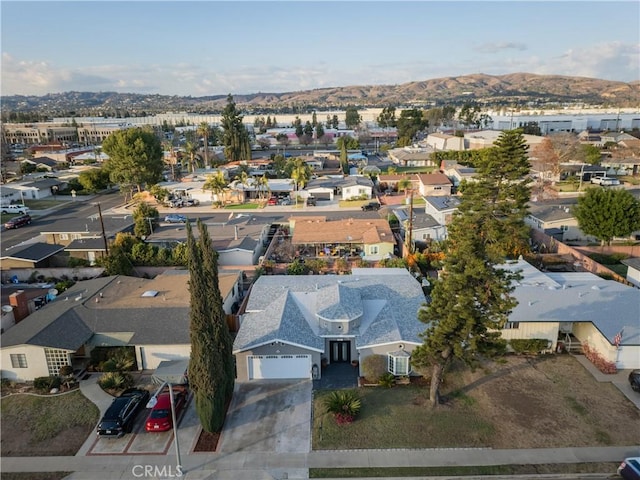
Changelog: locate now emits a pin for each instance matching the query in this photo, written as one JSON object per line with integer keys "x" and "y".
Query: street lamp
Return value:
{"x": 152, "y": 403}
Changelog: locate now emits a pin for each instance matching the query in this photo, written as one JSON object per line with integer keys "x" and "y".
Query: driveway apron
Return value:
{"x": 269, "y": 416}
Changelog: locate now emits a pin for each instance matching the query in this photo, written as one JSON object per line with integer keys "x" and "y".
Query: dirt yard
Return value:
{"x": 517, "y": 402}
{"x": 550, "y": 401}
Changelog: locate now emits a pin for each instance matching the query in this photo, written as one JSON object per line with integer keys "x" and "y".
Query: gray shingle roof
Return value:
{"x": 34, "y": 251}
{"x": 285, "y": 308}
{"x": 443, "y": 202}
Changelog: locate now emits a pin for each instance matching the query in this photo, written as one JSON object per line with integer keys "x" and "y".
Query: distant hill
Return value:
{"x": 512, "y": 89}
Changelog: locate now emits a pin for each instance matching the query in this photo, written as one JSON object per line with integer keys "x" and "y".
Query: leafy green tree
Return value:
{"x": 606, "y": 213}
{"x": 191, "y": 149}
{"x": 117, "y": 262}
{"x": 319, "y": 131}
{"x": 471, "y": 116}
{"x": 314, "y": 120}
{"x": 235, "y": 137}
{"x": 387, "y": 117}
{"x": 144, "y": 216}
{"x": 349, "y": 143}
{"x": 159, "y": 193}
{"x": 409, "y": 124}
{"x": 335, "y": 122}
{"x": 352, "y": 118}
{"x": 135, "y": 157}
{"x": 94, "y": 180}
{"x": 591, "y": 154}
{"x": 308, "y": 129}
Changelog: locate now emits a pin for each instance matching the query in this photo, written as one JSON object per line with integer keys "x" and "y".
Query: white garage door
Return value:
{"x": 279, "y": 366}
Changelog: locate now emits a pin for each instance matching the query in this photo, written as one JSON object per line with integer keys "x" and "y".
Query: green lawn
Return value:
{"x": 399, "y": 418}
{"x": 538, "y": 469}
{"x": 44, "y": 204}
{"x": 243, "y": 206}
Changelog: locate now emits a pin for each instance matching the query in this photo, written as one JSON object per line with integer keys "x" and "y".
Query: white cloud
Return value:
{"x": 499, "y": 46}
{"x": 613, "y": 60}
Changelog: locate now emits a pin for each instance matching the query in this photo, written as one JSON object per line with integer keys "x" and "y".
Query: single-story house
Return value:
{"x": 556, "y": 221}
{"x": 412, "y": 156}
{"x": 458, "y": 173}
{"x": 390, "y": 181}
{"x": 87, "y": 248}
{"x": 633, "y": 270}
{"x": 444, "y": 141}
{"x": 424, "y": 228}
{"x": 151, "y": 315}
{"x": 239, "y": 240}
{"x": 353, "y": 186}
{"x": 559, "y": 306}
{"x": 441, "y": 208}
{"x": 31, "y": 255}
{"x": 621, "y": 166}
{"x": 431, "y": 184}
{"x": 293, "y": 325}
{"x": 371, "y": 239}
{"x": 46, "y": 163}
{"x": 39, "y": 188}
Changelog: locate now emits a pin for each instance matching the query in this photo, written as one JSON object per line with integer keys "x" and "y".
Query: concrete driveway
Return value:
{"x": 269, "y": 416}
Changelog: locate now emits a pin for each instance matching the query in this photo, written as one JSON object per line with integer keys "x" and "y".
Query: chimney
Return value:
{"x": 18, "y": 300}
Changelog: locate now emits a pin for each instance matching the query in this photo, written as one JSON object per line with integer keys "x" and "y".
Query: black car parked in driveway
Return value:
{"x": 634, "y": 380}
{"x": 119, "y": 417}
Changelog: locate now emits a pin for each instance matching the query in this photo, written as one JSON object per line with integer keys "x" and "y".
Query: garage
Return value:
{"x": 279, "y": 366}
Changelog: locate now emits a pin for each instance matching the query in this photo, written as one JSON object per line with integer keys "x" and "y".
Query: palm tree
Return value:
{"x": 300, "y": 174}
{"x": 203, "y": 129}
{"x": 217, "y": 184}
{"x": 243, "y": 178}
{"x": 404, "y": 185}
{"x": 190, "y": 149}
{"x": 263, "y": 186}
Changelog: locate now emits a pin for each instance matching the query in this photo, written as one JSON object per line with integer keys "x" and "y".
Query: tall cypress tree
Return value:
{"x": 206, "y": 371}
{"x": 222, "y": 338}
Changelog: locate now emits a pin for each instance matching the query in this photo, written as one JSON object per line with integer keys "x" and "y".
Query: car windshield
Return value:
{"x": 159, "y": 414}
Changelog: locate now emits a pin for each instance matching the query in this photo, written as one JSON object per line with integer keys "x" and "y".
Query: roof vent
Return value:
{"x": 150, "y": 293}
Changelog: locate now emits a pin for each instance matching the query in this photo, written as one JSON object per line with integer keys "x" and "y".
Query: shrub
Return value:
{"x": 108, "y": 366}
{"x": 528, "y": 345}
{"x": 65, "y": 370}
{"x": 387, "y": 380}
{"x": 374, "y": 367}
{"x": 47, "y": 383}
{"x": 344, "y": 404}
{"x": 115, "y": 380}
{"x": 601, "y": 363}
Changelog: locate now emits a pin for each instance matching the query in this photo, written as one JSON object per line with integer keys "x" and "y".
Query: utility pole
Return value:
{"x": 104, "y": 235}
{"x": 410, "y": 229}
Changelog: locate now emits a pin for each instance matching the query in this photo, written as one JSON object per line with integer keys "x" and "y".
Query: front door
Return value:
{"x": 340, "y": 351}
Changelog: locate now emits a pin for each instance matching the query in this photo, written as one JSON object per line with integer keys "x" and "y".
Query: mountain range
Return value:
{"x": 517, "y": 89}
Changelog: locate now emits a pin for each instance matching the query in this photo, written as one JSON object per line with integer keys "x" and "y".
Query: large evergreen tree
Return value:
{"x": 471, "y": 301}
{"x": 237, "y": 145}
{"x": 606, "y": 213}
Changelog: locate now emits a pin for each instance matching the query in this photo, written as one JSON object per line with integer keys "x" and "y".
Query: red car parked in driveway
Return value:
{"x": 159, "y": 420}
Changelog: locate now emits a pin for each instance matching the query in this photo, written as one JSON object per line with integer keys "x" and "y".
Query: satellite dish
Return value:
{"x": 53, "y": 292}
{"x": 7, "y": 308}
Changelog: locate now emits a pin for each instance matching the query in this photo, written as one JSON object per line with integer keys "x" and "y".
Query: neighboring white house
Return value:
{"x": 557, "y": 221}
{"x": 633, "y": 270}
{"x": 441, "y": 208}
{"x": 554, "y": 305}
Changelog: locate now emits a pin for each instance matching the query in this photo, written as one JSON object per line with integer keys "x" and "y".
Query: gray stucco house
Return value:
{"x": 294, "y": 324}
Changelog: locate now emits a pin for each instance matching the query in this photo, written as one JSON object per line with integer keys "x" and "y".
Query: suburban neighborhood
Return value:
{"x": 284, "y": 241}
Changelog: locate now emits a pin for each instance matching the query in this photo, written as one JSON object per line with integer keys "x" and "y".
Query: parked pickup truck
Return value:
{"x": 605, "y": 181}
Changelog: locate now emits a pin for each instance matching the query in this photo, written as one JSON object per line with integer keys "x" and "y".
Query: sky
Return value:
{"x": 201, "y": 48}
